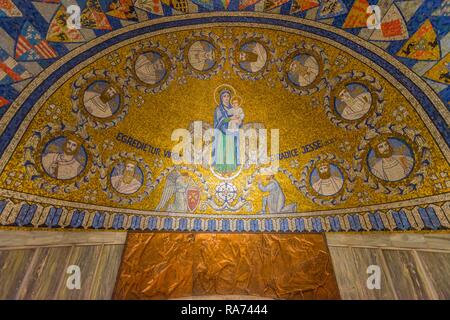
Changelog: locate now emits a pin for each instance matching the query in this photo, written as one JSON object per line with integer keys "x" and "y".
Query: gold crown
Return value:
{"x": 73, "y": 137}
{"x": 376, "y": 141}
{"x": 322, "y": 163}
{"x": 129, "y": 161}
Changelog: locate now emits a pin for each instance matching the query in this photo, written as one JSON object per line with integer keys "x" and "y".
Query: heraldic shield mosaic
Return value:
{"x": 346, "y": 138}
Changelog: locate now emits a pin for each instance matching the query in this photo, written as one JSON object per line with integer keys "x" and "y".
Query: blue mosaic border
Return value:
{"x": 431, "y": 217}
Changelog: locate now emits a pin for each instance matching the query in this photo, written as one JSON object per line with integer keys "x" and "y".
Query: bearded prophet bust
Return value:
{"x": 354, "y": 101}
{"x": 387, "y": 164}
{"x": 101, "y": 100}
{"x": 62, "y": 162}
{"x": 252, "y": 57}
{"x": 127, "y": 181}
{"x": 201, "y": 55}
{"x": 330, "y": 181}
{"x": 150, "y": 68}
{"x": 303, "y": 70}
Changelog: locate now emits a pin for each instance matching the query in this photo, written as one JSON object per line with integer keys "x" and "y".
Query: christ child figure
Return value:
{"x": 236, "y": 113}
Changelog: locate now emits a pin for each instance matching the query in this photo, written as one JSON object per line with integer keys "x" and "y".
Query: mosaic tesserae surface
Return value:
{"x": 90, "y": 115}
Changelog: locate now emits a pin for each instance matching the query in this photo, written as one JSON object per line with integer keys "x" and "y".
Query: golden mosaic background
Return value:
{"x": 301, "y": 120}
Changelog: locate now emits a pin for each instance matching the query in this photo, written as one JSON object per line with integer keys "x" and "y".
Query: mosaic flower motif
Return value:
{"x": 294, "y": 163}
{"x": 345, "y": 146}
{"x": 14, "y": 178}
{"x": 182, "y": 80}
{"x": 400, "y": 113}
{"x": 315, "y": 102}
{"x": 441, "y": 180}
{"x": 363, "y": 197}
{"x": 53, "y": 112}
{"x": 139, "y": 101}
{"x": 226, "y": 74}
{"x": 10, "y": 178}
{"x": 108, "y": 144}
{"x": 227, "y": 34}
{"x": 281, "y": 40}
{"x": 114, "y": 59}
{"x": 172, "y": 39}
{"x": 340, "y": 61}
{"x": 271, "y": 82}
{"x": 158, "y": 163}
{"x": 91, "y": 195}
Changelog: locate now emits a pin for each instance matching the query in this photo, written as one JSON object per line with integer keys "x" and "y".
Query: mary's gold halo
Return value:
{"x": 219, "y": 89}
{"x": 238, "y": 98}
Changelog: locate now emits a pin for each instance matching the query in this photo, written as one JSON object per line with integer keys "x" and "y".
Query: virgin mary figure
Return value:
{"x": 225, "y": 150}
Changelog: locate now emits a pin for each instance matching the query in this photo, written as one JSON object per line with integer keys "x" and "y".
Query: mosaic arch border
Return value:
{"x": 21, "y": 209}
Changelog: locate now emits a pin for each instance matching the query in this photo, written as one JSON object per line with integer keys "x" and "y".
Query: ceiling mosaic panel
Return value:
{"x": 88, "y": 115}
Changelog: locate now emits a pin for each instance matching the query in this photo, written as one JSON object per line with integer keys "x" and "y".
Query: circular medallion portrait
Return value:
{"x": 64, "y": 157}
{"x": 326, "y": 179}
{"x": 303, "y": 70}
{"x": 252, "y": 56}
{"x": 353, "y": 101}
{"x": 126, "y": 177}
{"x": 101, "y": 99}
{"x": 150, "y": 67}
{"x": 201, "y": 55}
{"x": 390, "y": 159}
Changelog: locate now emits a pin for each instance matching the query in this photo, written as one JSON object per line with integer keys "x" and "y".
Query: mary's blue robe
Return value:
{"x": 225, "y": 152}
